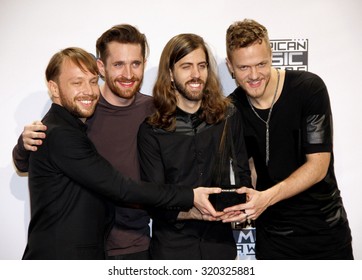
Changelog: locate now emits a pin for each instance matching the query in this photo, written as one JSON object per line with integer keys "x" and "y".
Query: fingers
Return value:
{"x": 242, "y": 190}
{"x": 250, "y": 216}
{"x": 239, "y": 207}
{"x": 229, "y": 215}
{"x": 209, "y": 209}
{"x": 243, "y": 206}
{"x": 31, "y": 144}
{"x": 201, "y": 200}
{"x": 213, "y": 190}
{"x": 241, "y": 217}
{"x": 36, "y": 126}
{"x": 30, "y": 148}
{"x": 195, "y": 214}
{"x": 210, "y": 218}
{"x": 33, "y": 134}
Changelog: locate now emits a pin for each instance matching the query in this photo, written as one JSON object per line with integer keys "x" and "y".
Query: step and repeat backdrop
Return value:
{"x": 322, "y": 36}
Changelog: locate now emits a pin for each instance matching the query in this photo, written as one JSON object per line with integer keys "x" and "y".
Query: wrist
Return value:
{"x": 275, "y": 193}
{"x": 183, "y": 215}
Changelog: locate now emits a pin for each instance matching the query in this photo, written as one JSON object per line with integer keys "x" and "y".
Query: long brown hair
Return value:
{"x": 213, "y": 103}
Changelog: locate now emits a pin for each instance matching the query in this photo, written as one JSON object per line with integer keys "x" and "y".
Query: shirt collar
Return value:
{"x": 193, "y": 119}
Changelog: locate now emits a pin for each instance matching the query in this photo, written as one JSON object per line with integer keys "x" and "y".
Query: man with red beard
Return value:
{"x": 69, "y": 181}
{"x": 180, "y": 144}
{"x": 122, "y": 51}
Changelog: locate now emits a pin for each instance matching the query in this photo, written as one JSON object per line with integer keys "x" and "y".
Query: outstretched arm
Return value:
{"x": 310, "y": 173}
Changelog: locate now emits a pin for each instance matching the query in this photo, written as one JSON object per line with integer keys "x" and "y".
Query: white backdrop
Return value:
{"x": 31, "y": 31}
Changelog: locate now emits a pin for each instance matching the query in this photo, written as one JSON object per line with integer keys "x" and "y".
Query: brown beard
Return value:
{"x": 127, "y": 94}
{"x": 187, "y": 94}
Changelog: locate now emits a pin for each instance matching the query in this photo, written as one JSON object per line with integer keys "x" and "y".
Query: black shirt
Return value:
{"x": 187, "y": 156}
{"x": 312, "y": 224}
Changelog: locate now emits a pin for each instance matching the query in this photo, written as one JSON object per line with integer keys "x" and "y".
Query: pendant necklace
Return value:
{"x": 268, "y": 119}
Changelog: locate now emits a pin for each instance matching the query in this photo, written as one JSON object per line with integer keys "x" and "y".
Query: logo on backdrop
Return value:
{"x": 290, "y": 54}
{"x": 245, "y": 241}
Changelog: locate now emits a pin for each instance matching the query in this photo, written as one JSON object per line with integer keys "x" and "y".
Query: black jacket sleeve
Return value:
{"x": 21, "y": 156}
{"x": 76, "y": 156}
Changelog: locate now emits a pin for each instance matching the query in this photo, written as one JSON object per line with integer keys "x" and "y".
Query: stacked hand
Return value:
{"x": 256, "y": 203}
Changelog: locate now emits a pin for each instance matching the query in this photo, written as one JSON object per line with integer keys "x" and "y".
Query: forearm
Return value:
{"x": 192, "y": 214}
{"x": 310, "y": 173}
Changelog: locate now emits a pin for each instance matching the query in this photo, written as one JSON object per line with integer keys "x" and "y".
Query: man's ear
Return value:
{"x": 100, "y": 65}
{"x": 171, "y": 75}
{"x": 228, "y": 64}
{"x": 53, "y": 89}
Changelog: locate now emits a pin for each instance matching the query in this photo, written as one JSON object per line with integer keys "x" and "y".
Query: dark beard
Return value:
{"x": 187, "y": 94}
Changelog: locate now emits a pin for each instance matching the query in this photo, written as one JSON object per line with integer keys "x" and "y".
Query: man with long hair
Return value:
{"x": 187, "y": 141}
